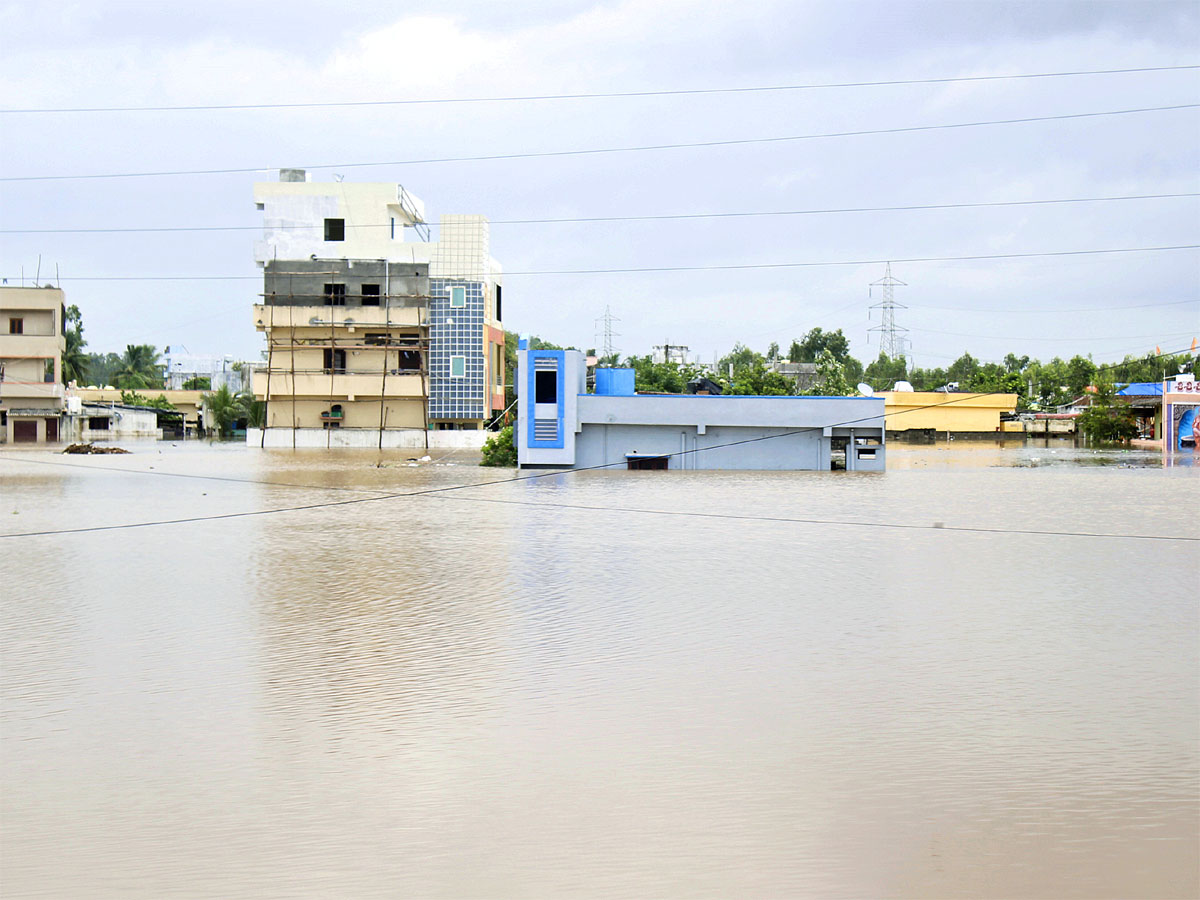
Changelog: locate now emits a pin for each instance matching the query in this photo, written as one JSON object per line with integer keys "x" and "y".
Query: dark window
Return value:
{"x": 645, "y": 462}
{"x": 335, "y": 295}
{"x": 499, "y": 317}
{"x": 335, "y": 361}
{"x": 98, "y": 423}
{"x": 410, "y": 360}
{"x": 370, "y": 295}
{"x": 375, "y": 338}
{"x": 16, "y": 326}
{"x": 52, "y": 429}
{"x": 48, "y": 371}
{"x": 545, "y": 387}
{"x": 335, "y": 229}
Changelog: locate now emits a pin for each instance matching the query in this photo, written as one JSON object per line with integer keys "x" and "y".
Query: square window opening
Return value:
{"x": 335, "y": 229}
{"x": 370, "y": 295}
{"x": 16, "y": 326}
{"x": 335, "y": 361}
{"x": 335, "y": 295}
{"x": 545, "y": 387}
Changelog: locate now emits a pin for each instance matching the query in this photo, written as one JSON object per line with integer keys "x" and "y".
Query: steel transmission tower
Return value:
{"x": 891, "y": 336}
{"x": 608, "y": 318}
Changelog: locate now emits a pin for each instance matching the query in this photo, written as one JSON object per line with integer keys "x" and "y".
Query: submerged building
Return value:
{"x": 560, "y": 425}
{"x": 373, "y": 339}
{"x": 32, "y": 343}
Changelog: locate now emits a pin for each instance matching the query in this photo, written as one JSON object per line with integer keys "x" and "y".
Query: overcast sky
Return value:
{"x": 106, "y": 54}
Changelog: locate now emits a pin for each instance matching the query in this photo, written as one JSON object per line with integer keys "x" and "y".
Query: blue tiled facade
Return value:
{"x": 456, "y": 332}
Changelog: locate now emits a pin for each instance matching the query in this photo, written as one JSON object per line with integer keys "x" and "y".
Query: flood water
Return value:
{"x": 601, "y": 684}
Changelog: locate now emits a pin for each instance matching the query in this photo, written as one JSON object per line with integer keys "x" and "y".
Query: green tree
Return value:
{"x": 661, "y": 378}
{"x": 133, "y": 398}
{"x": 102, "y": 367}
{"x": 222, "y": 408}
{"x": 198, "y": 383}
{"x": 1080, "y": 373}
{"x": 831, "y": 377}
{"x": 500, "y": 449}
{"x": 139, "y": 368}
{"x": 962, "y": 370}
{"x": 250, "y": 408}
{"x": 737, "y": 360}
{"x": 74, "y": 360}
{"x": 795, "y": 351}
{"x": 759, "y": 380}
{"x": 773, "y": 351}
{"x": 816, "y": 341}
{"x": 1109, "y": 419}
{"x": 883, "y": 374}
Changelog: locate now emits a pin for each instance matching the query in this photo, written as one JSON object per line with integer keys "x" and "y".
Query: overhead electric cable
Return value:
{"x": 544, "y": 154}
{"x": 587, "y": 96}
{"x": 806, "y": 521}
{"x": 703, "y": 268}
{"x": 998, "y": 337}
{"x": 538, "y": 475}
{"x": 635, "y": 218}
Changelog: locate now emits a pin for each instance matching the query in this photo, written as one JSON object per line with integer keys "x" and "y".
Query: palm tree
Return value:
{"x": 251, "y": 409}
{"x": 222, "y": 410}
{"x": 139, "y": 369}
{"x": 74, "y": 360}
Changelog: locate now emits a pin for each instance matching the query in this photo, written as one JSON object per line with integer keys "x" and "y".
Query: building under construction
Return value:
{"x": 373, "y": 340}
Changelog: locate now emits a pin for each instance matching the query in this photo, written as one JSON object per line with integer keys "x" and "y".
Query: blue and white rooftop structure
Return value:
{"x": 560, "y": 425}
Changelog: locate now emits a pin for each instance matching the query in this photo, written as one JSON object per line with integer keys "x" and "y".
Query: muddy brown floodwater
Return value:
{"x": 605, "y": 684}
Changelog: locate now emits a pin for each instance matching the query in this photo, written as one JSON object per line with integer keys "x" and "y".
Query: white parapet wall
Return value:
{"x": 365, "y": 438}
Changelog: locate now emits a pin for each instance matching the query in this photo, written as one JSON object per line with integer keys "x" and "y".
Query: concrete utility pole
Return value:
{"x": 891, "y": 336}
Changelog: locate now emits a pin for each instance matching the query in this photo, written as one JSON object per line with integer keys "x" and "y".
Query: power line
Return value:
{"x": 1120, "y": 337}
{"x": 544, "y": 154}
{"x": 639, "y": 218}
{"x": 1064, "y": 310}
{"x": 843, "y": 522}
{"x": 535, "y": 476}
{"x": 856, "y": 262}
{"x": 702, "y": 268}
{"x": 587, "y": 96}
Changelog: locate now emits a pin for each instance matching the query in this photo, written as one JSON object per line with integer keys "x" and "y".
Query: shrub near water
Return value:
{"x": 500, "y": 449}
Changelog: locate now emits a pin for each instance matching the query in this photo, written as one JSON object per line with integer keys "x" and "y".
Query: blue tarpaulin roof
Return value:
{"x": 1141, "y": 389}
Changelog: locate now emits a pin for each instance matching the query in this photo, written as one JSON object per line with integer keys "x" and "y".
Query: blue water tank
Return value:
{"x": 615, "y": 382}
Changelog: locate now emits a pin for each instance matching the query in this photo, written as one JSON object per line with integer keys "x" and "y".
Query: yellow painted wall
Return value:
{"x": 906, "y": 410}
{"x": 187, "y": 402}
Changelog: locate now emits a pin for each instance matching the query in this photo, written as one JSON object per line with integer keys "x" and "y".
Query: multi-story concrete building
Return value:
{"x": 31, "y": 348}
{"x": 372, "y": 339}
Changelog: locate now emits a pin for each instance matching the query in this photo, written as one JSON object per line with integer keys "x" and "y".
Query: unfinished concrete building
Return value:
{"x": 373, "y": 340}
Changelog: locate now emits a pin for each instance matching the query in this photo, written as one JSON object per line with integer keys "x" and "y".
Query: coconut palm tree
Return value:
{"x": 222, "y": 410}
{"x": 74, "y": 360}
{"x": 139, "y": 369}
{"x": 251, "y": 409}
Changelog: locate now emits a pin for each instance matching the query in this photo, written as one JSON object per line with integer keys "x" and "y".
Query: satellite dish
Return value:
{"x": 865, "y": 389}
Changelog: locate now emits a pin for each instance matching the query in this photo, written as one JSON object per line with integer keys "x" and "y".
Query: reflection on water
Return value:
{"x": 569, "y": 686}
